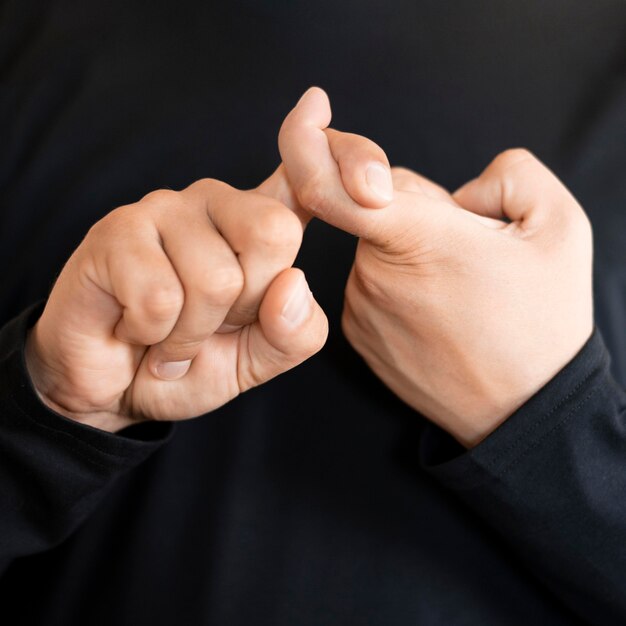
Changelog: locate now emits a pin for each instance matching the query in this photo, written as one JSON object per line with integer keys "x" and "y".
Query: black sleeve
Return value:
{"x": 53, "y": 471}
{"x": 552, "y": 481}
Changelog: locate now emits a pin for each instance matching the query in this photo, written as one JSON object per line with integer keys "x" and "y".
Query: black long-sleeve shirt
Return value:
{"x": 318, "y": 498}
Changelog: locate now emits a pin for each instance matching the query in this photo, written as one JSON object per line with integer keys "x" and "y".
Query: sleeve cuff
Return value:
{"x": 528, "y": 429}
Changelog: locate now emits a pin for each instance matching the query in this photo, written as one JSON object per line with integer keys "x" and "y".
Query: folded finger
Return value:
{"x": 212, "y": 280}
{"x": 263, "y": 233}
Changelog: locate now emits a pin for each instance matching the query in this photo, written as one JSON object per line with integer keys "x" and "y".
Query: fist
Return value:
{"x": 465, "y": 305}
{"x": 174, "y": 305}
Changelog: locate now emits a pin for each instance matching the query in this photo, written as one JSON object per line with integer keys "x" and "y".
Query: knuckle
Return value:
{"x": 123, "y": 224}
{"x": 162, "y": 197}
{"x": 222, "y": 285}
{"x": 113, "y": 224}
{"x": 209, "y": 185}
{"x": 163, "y": 302}
{"x": 311, "y": 194}
{"x": 277, "y": 226}
{"x": 365, "y": 281}
{"x": 98, "y": 230}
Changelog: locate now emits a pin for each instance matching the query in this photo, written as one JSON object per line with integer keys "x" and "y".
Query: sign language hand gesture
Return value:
{"x": 174, "y": 305}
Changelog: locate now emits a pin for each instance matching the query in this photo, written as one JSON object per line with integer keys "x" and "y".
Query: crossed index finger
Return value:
{"x": 337, "y": 177}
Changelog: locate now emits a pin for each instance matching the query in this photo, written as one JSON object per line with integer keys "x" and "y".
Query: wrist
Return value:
{"x": 484, "y": 416}
{"x": 43, "y": 383}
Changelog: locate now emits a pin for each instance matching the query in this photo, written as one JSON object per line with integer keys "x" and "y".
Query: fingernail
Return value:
{"x": 171, "y": 370}
{"x": 378, "y": 178}
{"x": 298, "y": 306}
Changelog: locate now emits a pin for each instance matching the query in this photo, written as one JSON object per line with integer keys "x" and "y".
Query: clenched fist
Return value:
{"x": 465, "y": 305}
{"x": 174, "y": 305}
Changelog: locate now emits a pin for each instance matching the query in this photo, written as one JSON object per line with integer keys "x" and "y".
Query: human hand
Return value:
{"x": 465, "y": 305}
{"x": 174, "y": 305}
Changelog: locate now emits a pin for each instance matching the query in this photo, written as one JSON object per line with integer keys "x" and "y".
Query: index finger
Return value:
{"x": 314, "y": 168}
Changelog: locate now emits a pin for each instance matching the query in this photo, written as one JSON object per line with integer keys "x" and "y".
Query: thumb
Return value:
{"x": 291, "y": 328}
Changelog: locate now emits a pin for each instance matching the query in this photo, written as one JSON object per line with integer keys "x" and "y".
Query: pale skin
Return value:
{"x": 464, "y": 304}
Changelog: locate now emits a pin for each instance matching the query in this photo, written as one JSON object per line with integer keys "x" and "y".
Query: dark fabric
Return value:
{"x": 550, "y": 480}
{"x": 318, "y": 498}
{"x": 52, "y": 470}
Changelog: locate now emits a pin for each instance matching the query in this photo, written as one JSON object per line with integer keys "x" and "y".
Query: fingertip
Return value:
{"x": 291, "y": 328}
{"x": 314, "y": 93}
{"x": 313, "y": 108}
{"x": 317, "y": 90}
{"x": 292, "y": 320}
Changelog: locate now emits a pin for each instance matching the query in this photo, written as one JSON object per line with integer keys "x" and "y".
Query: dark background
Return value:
{"x": 300, "y": 502}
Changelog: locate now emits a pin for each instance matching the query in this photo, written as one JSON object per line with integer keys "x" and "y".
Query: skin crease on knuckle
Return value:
{"x": 222, "y": 285}
{"x": 311, "y": 194}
